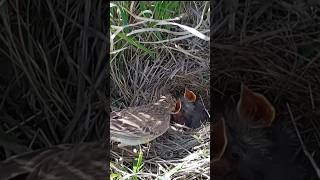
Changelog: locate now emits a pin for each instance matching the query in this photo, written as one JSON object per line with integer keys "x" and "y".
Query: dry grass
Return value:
{"x": 274, "y": 47}
{"x": 52, "y": 71}
{"x": 174, "y": 155}
{"x": 179, "y": 58}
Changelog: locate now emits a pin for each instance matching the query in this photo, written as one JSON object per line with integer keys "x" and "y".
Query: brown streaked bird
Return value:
{"x": 86, "y": 161}
{"x": 193, "y": 112}
{"x": 249, "y": 143}
{"x": 139, "y": 125}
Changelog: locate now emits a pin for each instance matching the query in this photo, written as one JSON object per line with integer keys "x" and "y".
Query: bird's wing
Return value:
{"x": 25, "y": 163}
{"x": 133, "y": 122}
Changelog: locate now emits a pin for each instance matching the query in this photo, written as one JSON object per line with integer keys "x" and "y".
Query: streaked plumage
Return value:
{"x": 86, "y": 161}
{"x": 139, "y": 125}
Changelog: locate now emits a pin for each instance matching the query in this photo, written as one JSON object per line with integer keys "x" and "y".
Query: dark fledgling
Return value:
{"x": 193, "y": 112}
{"x": 250, "y": 143}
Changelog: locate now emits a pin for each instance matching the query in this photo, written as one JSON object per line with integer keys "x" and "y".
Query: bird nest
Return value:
{"x": 179, "y": 153}
{"x": 179, "y": 60}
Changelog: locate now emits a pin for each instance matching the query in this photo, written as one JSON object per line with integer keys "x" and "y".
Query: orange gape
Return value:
{"x": 248, "y": 144}
{"x": 192, "y": 113}
{"x": 255, "y": 108}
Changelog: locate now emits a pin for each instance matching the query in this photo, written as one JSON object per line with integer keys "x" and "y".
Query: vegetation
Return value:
{"x": 156, "y": 47}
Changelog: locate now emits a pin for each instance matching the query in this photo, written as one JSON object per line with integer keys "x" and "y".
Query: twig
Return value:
{"x": 205, "y": 107}
{"x": 314, "y": 164}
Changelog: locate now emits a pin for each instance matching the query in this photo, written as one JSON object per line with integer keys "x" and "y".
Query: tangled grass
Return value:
{"x": 52, "y": 69}
{"x": 274, "y": 47}
{"x": 152, "y": 54}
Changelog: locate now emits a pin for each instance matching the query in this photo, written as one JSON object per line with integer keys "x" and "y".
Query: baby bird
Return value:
{"x": 250, "y": 144}
{"x": 192, "y": 113}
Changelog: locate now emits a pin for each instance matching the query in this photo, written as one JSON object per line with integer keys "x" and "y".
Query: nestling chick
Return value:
{"x": 250, "y": 144}
{"x": 192, "y": 113}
